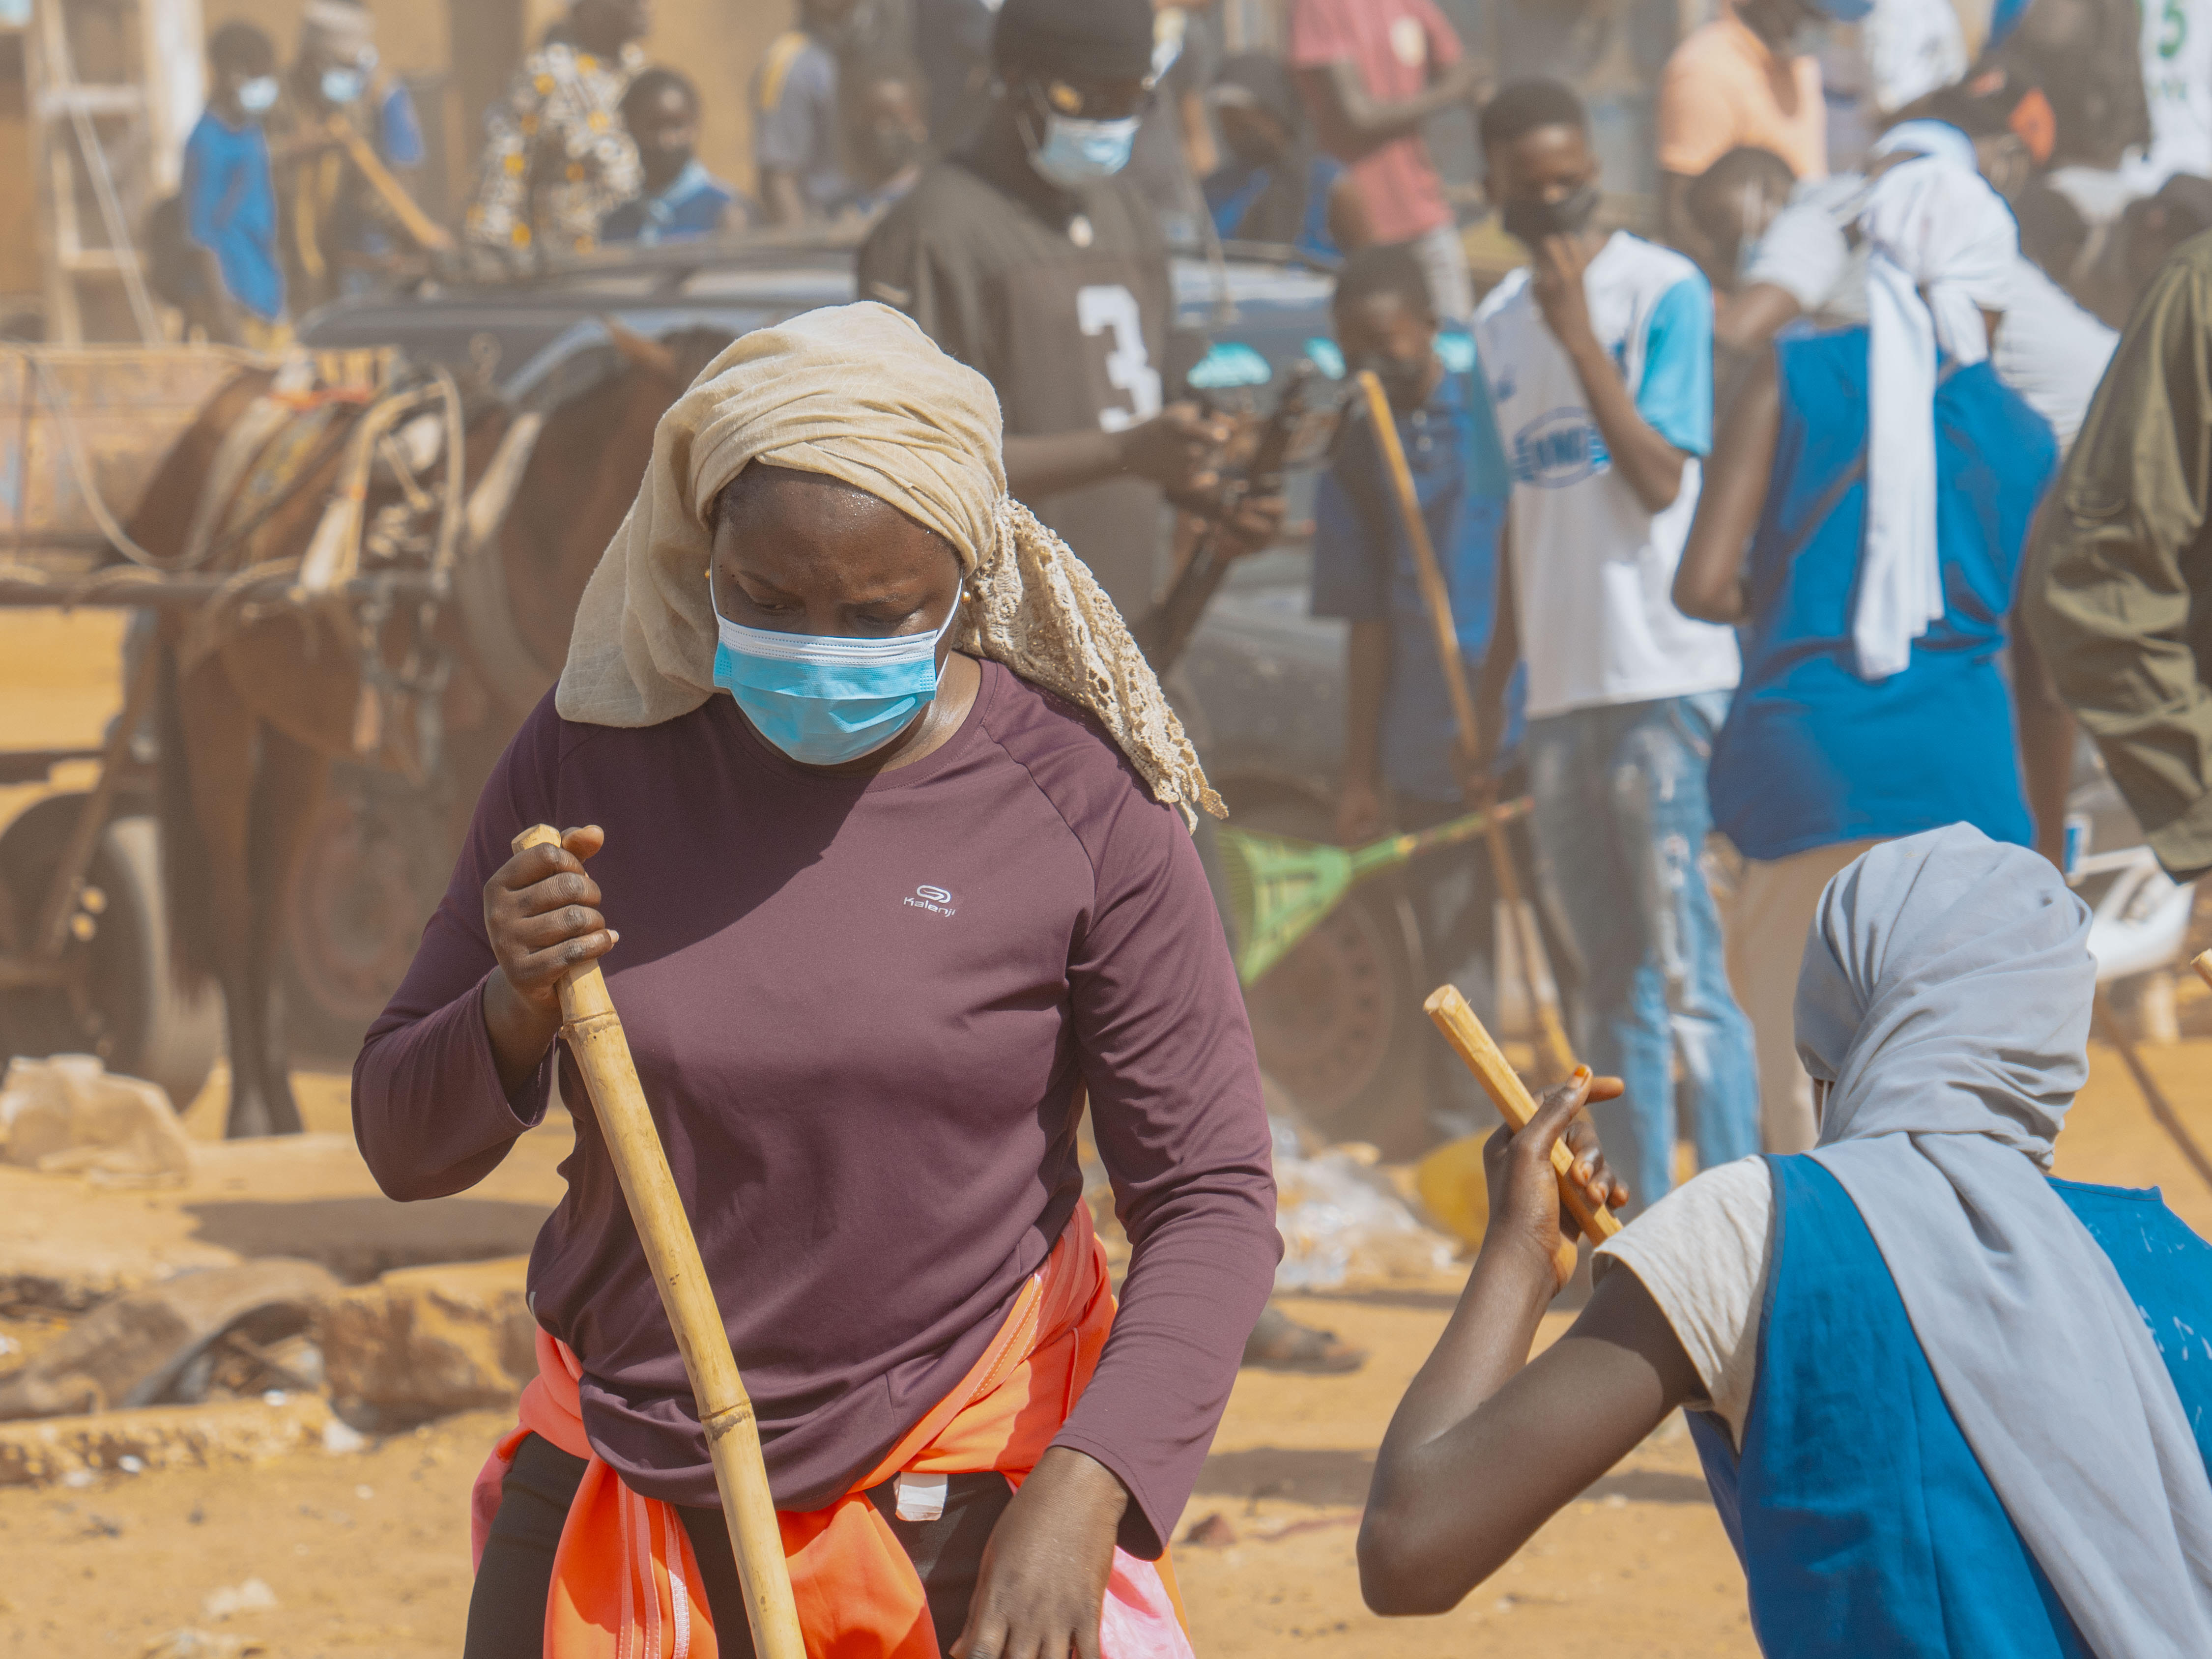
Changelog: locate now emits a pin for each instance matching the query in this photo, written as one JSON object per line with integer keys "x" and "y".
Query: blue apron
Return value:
{"x": 1863, "y": 1520}
{"x": 1812, "y": 755}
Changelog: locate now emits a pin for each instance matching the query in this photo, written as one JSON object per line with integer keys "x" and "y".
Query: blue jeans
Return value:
{"x": 1621, "y": 818}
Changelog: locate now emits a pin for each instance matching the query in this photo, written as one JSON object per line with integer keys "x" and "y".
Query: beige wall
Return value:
{"x": 410, "y": 34}
{"x": 717, "y": 43}
{"x": 19, "y": 211}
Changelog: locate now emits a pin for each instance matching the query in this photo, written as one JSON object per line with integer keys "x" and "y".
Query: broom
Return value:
{"x": 594, "y": 1034}
{"x": 1280, "y": 889}
{"x": 1555, "y": 1056}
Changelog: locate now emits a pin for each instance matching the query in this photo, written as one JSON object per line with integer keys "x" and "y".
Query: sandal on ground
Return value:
{"x": 1280, "y": 1344}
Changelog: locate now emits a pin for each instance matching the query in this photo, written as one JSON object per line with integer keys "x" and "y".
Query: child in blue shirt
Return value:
{"x": 1403, "y": 766}
{"x": 682, "y": 199}
{"x": 230, "y": 197}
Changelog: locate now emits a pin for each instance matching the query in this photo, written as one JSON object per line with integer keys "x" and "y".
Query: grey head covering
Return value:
{"x": 1945, "y": 1001}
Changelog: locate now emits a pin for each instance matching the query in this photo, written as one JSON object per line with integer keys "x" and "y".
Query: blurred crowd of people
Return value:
{"x": 1017, "y": 173}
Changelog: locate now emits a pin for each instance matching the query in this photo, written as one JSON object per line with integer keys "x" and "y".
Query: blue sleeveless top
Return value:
{"x": 1864, "y": 1523}
{"x": 1813, "y": 755}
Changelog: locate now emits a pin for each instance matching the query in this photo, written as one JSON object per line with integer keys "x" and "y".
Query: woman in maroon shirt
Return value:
{"x": 876, "y": 923}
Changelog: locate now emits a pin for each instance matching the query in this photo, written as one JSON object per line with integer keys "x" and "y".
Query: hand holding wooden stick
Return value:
{"x": 1464, "y": 1032}
{"x": 595, "y": 1037}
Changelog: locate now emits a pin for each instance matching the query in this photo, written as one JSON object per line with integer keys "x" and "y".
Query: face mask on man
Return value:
{"x": 344, "y": 85}
{"x": 1077, "y": 153}
{"x": 824, "y": 700}
{"x": 258, "y": 96}
{"x": 1531, "y": 222}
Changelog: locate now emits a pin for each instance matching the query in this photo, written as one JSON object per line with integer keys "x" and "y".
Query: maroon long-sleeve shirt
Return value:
{"x": 861, "y": 1009}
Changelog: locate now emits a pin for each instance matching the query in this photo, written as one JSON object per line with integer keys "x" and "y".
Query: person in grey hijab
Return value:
{"x": 1947, "y": 1405}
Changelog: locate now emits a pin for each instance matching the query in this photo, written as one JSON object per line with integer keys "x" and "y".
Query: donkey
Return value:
{"x": 249, "y": 730}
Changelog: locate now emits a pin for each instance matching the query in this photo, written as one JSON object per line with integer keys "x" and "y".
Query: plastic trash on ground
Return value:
{"x": 70, "y": 1115}
{"x": 1342, "y": 1221}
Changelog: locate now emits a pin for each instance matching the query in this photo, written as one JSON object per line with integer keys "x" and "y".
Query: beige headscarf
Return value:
{"x": 860, "y": 394}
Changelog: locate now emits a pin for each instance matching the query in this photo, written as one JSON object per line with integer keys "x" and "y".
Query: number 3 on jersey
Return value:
{"x": 1109, "y": 308}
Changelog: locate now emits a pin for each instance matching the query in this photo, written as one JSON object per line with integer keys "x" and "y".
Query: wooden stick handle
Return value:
{"x": 431, "y": 236}
{"x": 1503, "y": 1085}
{"x": 1436, "y": 597}
{"x": 1554, "y": 1052}
{"x": 1555, "y": 1055}
{"x": 595, "y": 1037}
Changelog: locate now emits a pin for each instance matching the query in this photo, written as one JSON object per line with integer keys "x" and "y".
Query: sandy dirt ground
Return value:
{"x": 367, "y": 1552}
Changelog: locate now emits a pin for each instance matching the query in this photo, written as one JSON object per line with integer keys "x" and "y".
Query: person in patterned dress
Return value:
{"x": 558, "y": 157}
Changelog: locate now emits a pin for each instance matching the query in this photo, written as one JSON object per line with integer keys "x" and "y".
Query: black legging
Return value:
{"x": 507, "y": 1610}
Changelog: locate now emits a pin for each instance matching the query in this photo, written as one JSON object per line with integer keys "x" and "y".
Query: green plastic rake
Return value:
{"x": 1281, "y": 890}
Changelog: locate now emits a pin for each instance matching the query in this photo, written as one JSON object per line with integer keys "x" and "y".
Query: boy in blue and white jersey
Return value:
{"x": 1599, "y": 361}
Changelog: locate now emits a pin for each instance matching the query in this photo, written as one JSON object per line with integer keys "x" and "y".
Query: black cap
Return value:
{"x": 1098, "y": 39}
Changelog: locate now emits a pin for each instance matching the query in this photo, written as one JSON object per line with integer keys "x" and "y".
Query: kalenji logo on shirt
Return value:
{"x": 1559, "y": 450}
{"x": 935, "y": 900}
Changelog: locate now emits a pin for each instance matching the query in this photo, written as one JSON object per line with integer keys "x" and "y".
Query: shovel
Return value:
{"x": 1281, "y": 890}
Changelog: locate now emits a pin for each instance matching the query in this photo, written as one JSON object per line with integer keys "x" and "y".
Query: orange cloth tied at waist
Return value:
{"x": 626, "y": 1585}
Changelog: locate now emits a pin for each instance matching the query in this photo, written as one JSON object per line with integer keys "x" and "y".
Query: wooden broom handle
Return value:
{"x": 594, "y": 1034}
{"x": 429, "y": 234}
{"x": 1554, "y": 1052}
{"x": 1503, "y": 1085}
{"x": 1436, "y": 597}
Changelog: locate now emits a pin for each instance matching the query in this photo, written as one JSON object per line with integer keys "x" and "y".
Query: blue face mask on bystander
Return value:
{"x": 1076, "y": 153}
{"x": 824, "y": 700}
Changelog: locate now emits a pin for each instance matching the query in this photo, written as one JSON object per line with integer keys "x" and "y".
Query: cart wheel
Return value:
{"x": 1338, "y": 1022}
{"x": 368, "y": 881}
{"x": 119, "y": 999}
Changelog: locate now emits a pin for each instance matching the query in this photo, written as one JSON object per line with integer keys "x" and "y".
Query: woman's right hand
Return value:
{"x": 541, "y": 913}
{"x": 1528, "y": 1215}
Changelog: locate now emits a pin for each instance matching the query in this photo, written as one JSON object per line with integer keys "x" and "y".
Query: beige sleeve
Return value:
{"x": 1702, "y": 1252}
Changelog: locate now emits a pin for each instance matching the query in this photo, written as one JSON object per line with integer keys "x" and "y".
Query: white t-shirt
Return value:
{"x": 2177, "y": 72}
{"x": 1703, "y": 1252}
{"x": 1592, "y": 571}
{"x": 2049, "y": 350}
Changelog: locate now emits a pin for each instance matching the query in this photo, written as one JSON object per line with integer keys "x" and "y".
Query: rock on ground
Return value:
{"x": 132, "y": 1351}
{"x": 60, "y": 1448}
{"x": 425, "y": 1341}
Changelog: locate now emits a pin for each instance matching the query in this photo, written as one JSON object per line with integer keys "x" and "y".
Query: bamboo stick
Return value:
{"x": 427, "y": 233}
{"x": 1555, "y": 1055}
{"x": 594, "y": 1034}
{"x": 1503, "y": 1085}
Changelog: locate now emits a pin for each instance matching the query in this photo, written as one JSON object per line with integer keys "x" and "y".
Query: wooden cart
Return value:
{"x": 84, "y": 949}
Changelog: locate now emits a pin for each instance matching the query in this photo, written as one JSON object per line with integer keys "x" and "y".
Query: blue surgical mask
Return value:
{"x": 342, "y": 86}
{"x": 258, "y": 96}
{"x": 826, "y": 700}
{"x": 1077, "y": 153}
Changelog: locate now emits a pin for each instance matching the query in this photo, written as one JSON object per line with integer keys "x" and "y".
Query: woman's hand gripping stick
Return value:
{"x": 595, "y": 1037}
